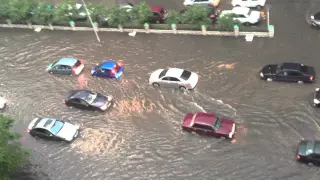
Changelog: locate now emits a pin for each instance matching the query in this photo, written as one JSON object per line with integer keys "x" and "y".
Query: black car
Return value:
{"x": 315, "y": 19}
{"x": 290, "y": 72}
{"x": 308, "y": 151}
{"x": 85, "y": 99}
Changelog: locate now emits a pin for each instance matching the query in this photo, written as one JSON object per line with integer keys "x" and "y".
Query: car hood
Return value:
{"x": 155, "y": 75}
{"x": 49, "y": 67}
{"x": 269, "y": 69}
{"x": 68, "y": 131}
{"x": 226, "y": 126}
{"x": 101, "y": 100}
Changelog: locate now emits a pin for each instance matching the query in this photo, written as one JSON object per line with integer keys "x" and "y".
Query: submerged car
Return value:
{"x": 315, "y": 19}
{"x": 66, "y": 66}
{"x": 108, "y": 69}
{"x": 174, "y": 78}
{"x": 53, "y": 129}
{"x": 244, "y": 15}
{"x": 290, "y": 72}
{"x": 3, "y": 103}
{"x": 316, "y": 97}
{"x": 308, "y": 151}
{"x": 85, "y": 99}
{"x": 209, "y": 124}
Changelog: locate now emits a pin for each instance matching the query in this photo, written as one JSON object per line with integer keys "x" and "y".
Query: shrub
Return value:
{"x": 141, "y": 13}
{"x": 62, "y": 11}
{"x": 197, "y": 15}
{"x": 96, "y": 11}
{"x": 226, "y": 22}
{"x": 173, "y": 17}
{"x": 117, "y": 16}
{"x": 43, "y": 13}
{"x": 19, "y": 10}
{"x": 4, "y": 9}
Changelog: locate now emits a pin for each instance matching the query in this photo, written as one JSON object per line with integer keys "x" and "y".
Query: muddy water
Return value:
{"x": 141, "y": 137}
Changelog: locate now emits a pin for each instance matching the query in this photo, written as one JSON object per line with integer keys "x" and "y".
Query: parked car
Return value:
{"x": 315, "y": 19}
{"x": 316, "y": 97}
{"x": 79, "y": 13}
{"x": 175, "y": 78}
{"x": 308, "y": 151}
{"x": 53, "y": 129}
{"x": 66, "y": 66}
{"x": 213, "y": 13}
{"x": 3, "y": 103}
{"x": 85, "y": 99}
{"x": 245, "y": 15}
{"x": 209, "y": 124}
{"x": 214, "y": 3}
{"x": 259, "y": 4}
{"x": 290, "y": 72}
{"x": 108, "y": 69}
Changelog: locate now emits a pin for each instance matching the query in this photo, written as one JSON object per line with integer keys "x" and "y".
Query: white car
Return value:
{"x": 215, "y": 3}
{"x": 249, "y": 3}
{"x": 316, "y": 97}
{"x": 174, "y": 78}
{"x": 53, "y": 129}
{"x": 245, "y": 15}
{"x": 3, "y": 102}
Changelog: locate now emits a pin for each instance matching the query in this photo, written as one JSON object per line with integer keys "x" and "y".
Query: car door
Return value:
{"x": 85, "y": 105}
{"x": 202, "y": 129}
{"x": 75, "y": 103}
{"x": 174, "y": 82}
{"x": 281, "y": 76}
{"x": 43, "y": 133}
{"x": 165, "y": 82}
{"x": 295, "y": 76}
{"x": 56, "y": 69}
{"x": 315, "y": 159}
{"x": 65, "y": 69}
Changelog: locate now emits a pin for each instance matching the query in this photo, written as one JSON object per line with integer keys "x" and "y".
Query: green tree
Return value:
{"x": 12, "y": 155}
{"x": 117, "y": 16}
{"x": 43, "y": 13}
{"x": 96, "y": 11}
{"x": 197, "y": 15}
{"x": 173, "y": 17}
{"x": 141, "y": 13}
{"x": 227, "y": 21}
{"x": 62, "y": 10}
{"x": 4, "y": 9}
{"x": 19, "y": 10}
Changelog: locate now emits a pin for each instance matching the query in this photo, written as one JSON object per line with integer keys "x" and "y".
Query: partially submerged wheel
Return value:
{"x": 182, "y": 88}
{"x": 155, "y": 84}
{"x": 269, "y": 79}
{"x": 259, "y": 7}
{"x": 300, "y": 82}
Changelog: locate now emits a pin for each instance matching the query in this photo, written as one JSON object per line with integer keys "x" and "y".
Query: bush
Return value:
{"x": 4, "y": 9}
{"x": 12, "y": 155}
{"x": 173, "y": 17}
{"x": 141, "y": 13}
{"x": 117, "y": 16}
{"x": 62, "y": 10}
{"x": 43, "y": 13}
{"x": 227, "y": 22}
{"x": 96, "y": 10}
{"x": 19, "y": 10}
{"x": 197, "y": 15}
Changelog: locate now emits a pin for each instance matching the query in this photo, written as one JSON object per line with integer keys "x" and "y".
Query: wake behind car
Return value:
{"x": 245, "y": 15}
{"x": 85, "y": 99}
{"x": 308, "y": 151}
{"x": 258, "y": 4}
{"x": 108, "y": 69}
{"x": 315, "y": 19}
{"x": 174, "y": 78}
{"x": 290, "y": 72}
{"x": 53, "y": 129}
{"x": 209, "y": 124}
{"x": 66, "y": 66}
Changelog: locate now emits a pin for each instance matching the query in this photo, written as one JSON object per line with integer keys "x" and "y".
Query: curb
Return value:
{"x": 154, "y": 31}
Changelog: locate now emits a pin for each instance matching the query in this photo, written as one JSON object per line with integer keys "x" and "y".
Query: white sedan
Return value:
{"x": 3, "y": 102}
{"x": 244, "y": 15}
{"x": 214, "y": 3}
{"x": 249, "y": 3}
{"x": 174, "y": 78}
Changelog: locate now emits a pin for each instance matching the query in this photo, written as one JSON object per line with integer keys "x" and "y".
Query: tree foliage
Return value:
{"x": 227, "y": 21}
{"x": 18, "y": 10}
{"x": 62, "y": 10}
{"x": 173, "y": 17}
{"x": 117, "y": 16}
{"x": 43, "y": 13}
{"x": 4, "y": 8}
{"x": 197, "y": 15}
{"x": 141, "y": 13}
{"x": 12, "y": 155}
{"x": 96, "y": 10}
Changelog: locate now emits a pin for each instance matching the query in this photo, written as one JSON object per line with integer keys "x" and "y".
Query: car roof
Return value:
{"x": 67, "y": 61}
{"x": 204, "y": 119}
{"x": 108, "y": 65}
{"x": 45, "y": 121}
{"x": 174, "y": 72}
{"x": 80, "y": 94}
{"x": 240, "y": 10}
{"x": 291, "y": 66}
{"x": 312, "y": 146}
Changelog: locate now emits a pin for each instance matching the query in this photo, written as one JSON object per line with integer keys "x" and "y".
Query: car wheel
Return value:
{"x": 300, "y": 82}
{"x": 182, "y": 88}
{"x": 237, "y": 5}
{"x": 269, "y": 79}
{"x": 50, "y": 72}
{"x": 155, "y": 84}
{"x": 247, "y": 24}
{"x": 259, "y": 7}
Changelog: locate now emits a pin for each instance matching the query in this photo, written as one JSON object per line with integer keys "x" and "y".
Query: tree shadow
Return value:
{"x": 29, "y": 172}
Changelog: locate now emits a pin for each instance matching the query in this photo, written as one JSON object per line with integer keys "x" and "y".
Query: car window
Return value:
{"x": 317, "y": 147}
{"x": 163, "y": 73}
{"x": 241, "y": 16}
{"x": 77, "y": 64}
{"x": 294, "y": 73}
{"x": 57, "y": 67}
{"x": 204, "y": 127}
{"x": 185, "y": 75}
{"x": 89, "y": 99}
{"x": 84, "y": 102}
{"x": 174, "y": 79}
{"x": 65, "y": 67}
{"x": 166, "y": 78}
{"x": 43, "y": 131}
{"x": 76, "y": 101}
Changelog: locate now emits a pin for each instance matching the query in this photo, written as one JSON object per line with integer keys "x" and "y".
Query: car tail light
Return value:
{"x": 64, "y": 101}
{"x": 298, "y": 157}
{"x": 113, "y": 71}
{"x": 311, "y": 78}
{"x": 28, "y": 130}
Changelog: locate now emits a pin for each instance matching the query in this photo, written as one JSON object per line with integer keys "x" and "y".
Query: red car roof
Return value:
{"x": 205, "y": 119}
{"x": 157, "y": 8}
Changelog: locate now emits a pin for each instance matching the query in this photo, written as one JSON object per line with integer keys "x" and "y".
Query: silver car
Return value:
{"x": 53, "y": 129}
{"x": 174, "y": 78}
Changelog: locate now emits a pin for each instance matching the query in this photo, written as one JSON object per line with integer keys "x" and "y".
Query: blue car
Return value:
{"x": 108, "y": 69}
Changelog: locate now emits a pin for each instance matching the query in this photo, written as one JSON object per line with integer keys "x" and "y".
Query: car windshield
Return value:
{"x": 217, "y": 124}
{"x": 279, "y": 67}
{"x": 56, "y": 127}
{"x": 91, "y": 97}
{"x": 185, "y": 75}
{"x": 163, "y": 73}
{"x": 54, "y": 63}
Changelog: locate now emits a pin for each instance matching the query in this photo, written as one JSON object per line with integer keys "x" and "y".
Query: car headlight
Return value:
{"x": 316, "y": 101}
{"x": 312, "y": 17}
{"x": 317, "y": 89}
{"x": 109, "y": 98}
{"x": 232, "y": 131}
{"x": 92, "y": 71}
{"x": 261, "y": 74}
{"x": 104, "y": 107}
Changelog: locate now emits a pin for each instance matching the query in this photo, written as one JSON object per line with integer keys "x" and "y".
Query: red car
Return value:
{"x": 159, "y": 14}
{"x": 209, "y": 124}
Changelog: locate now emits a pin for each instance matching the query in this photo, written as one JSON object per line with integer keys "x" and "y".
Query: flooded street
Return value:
{"x": 141, "y": 137}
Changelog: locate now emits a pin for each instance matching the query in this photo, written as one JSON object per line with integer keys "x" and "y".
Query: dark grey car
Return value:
{"x": 66, "y": 66}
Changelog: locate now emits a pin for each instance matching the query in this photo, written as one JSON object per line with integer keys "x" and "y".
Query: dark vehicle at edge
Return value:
{"x": 315, "y": 20}
{"x": 308, "y": 151}
{"x": 289, "y": 72}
